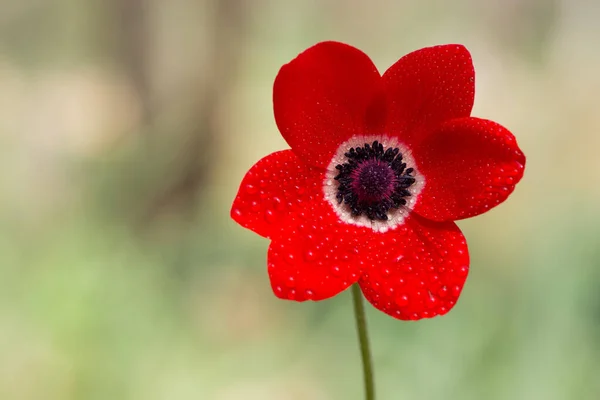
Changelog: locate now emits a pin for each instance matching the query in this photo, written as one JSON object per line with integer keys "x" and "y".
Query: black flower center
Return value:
{"x": 372, "y": 181}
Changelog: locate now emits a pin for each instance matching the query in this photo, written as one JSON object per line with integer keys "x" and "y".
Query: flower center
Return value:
{"x": 372, "y": 181}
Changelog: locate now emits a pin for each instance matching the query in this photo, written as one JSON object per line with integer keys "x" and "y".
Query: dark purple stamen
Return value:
{"x": 372, "y": 181}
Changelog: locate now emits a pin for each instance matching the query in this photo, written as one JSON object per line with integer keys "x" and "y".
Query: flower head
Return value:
{"x": 379, "y": 168}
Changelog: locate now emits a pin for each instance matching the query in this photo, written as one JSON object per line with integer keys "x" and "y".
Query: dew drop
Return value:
{"x": 310, "y": 255}
{"x": 237, "y": 212}
{"x": 336, "y": 270}
{"x": 270, "y": 216}
{"x": 431, "y": 301}
{"x": 515, "y": 170}
{"x": 279, "y": 205}
{"x": 443, "y": 291}
{"x": 402, "y": 301}
{"x": 455, "y": 291}
{"x": 291, "y": 281}
{"x": 290, "y": 258}
{"x": 309, "y": 294}
{"x": 463, "y": 270}
{"x": 251, "y": 189}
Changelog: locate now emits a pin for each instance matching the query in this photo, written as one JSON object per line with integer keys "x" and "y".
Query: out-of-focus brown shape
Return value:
{"x": 132, "y": 16}
{"x": 179, "y": 192}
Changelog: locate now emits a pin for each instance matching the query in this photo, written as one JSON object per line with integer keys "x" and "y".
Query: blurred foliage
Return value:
{"x": 125, "y": 128}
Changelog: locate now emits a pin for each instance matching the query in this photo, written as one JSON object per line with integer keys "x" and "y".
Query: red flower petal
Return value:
{"x": 470, "y": 165}
{"x": 323, "y": 97}
{"x": 275, "y": 186}
{"x": 421, "y": 271}
{"x": 427, "y": 87}
{"x": 315, "y": 256}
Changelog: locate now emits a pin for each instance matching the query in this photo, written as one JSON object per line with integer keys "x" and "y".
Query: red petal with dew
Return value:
{"x": 470, "y": 166}
{"x": 314, "y": 256}
{"x": 324, "y": 96}
{"x": 273, "y": 188}
{"x": 421, "y": 269}
{"x": 427, "y": 87}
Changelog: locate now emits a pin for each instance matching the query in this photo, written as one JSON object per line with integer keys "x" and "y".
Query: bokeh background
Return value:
{"x": 125, "y": 129}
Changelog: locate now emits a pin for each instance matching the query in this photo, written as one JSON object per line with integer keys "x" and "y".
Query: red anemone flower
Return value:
{"x": 379, "y": 168}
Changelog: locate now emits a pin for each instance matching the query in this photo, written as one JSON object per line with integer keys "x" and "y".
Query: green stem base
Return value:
{"x": 363, "y": 338}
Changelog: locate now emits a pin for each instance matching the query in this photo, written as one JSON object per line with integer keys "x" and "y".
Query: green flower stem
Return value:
{"x": 363, "y": 338}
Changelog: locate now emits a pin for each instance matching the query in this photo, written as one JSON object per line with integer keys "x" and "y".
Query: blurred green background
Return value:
{"x": 125, "y": 129}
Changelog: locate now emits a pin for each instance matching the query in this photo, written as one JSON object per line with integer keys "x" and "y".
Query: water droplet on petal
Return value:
{"x": 402, "y": 301}
{"x": 251, "y": 189}
{"x": 455, "y": 291}
{"x": 279, "y": 205}
{"x": 270, "y": 216}
{"x": 291, "y": 281}
{"x": 431, "y": 301}
{"x": 310, "y": 255}
{"x": 309, "y": 294}
{"x": 443, "y": 291}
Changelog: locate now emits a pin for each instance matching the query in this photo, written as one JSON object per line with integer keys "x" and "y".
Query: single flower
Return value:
{"x": 379, "y": 169}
